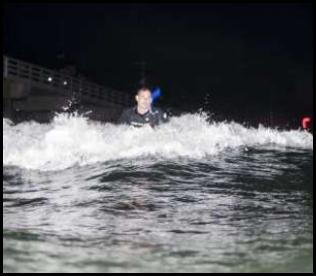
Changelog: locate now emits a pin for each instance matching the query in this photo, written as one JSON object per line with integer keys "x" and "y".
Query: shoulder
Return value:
{"x": 159, "y": 112}
{"x": 126, "y": 115}
{"x": 129, "y": 110}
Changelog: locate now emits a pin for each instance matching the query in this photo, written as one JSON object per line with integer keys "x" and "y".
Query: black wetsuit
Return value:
{"x": 153, "y": 117}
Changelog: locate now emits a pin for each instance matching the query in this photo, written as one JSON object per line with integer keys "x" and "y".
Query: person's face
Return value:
{"x": 143, "y": 99}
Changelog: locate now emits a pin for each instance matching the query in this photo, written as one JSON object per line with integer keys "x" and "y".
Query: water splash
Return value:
{"x": 71, "y": 139}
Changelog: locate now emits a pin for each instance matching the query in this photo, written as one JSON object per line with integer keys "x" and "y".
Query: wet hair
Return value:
{"x": 143, "y": 88}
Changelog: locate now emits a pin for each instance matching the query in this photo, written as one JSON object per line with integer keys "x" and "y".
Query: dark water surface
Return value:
{"x": 243, "y": 210}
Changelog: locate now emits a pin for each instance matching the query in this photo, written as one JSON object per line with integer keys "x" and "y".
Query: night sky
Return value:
{"x": 248, "y": 58}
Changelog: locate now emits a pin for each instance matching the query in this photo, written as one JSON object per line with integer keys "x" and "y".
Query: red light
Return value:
{"x": 305, "y": 122}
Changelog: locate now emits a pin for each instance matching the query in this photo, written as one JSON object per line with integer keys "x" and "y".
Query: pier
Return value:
{"x": 32, "y": 92}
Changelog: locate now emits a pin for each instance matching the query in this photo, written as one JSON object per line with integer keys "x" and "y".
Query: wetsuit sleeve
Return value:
{"x": 124, "y": 119}
{"x": 164, "y": 118}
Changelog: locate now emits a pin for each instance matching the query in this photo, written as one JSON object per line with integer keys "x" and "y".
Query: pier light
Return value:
{"x": 65, "y": 82}
{"x": 50, "y": 79}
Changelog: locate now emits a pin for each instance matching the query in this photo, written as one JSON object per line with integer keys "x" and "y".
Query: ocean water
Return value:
{"x": 187, "y": 196}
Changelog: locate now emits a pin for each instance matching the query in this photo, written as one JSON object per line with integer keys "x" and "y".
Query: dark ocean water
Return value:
{"x": 190, "y": 196}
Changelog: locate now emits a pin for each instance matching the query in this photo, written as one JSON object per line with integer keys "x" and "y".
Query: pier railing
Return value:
{"x": 37, "y": 75}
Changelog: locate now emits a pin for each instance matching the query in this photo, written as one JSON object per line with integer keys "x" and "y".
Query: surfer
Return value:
{"x": 143, "y": 113}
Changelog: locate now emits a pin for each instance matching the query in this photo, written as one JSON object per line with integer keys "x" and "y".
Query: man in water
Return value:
{"x": 143, "y": 113}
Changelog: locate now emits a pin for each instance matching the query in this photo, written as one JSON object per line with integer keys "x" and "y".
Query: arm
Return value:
{"x": 161, "y": 117}
{"x": 123, "y": 118}
{"x": 164, "y": 118}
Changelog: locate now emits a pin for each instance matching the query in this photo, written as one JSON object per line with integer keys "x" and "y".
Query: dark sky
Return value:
{"x": 246, "y": 56}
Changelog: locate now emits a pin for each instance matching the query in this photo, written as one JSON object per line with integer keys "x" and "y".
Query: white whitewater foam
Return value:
{"x": 74, "y": 140}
